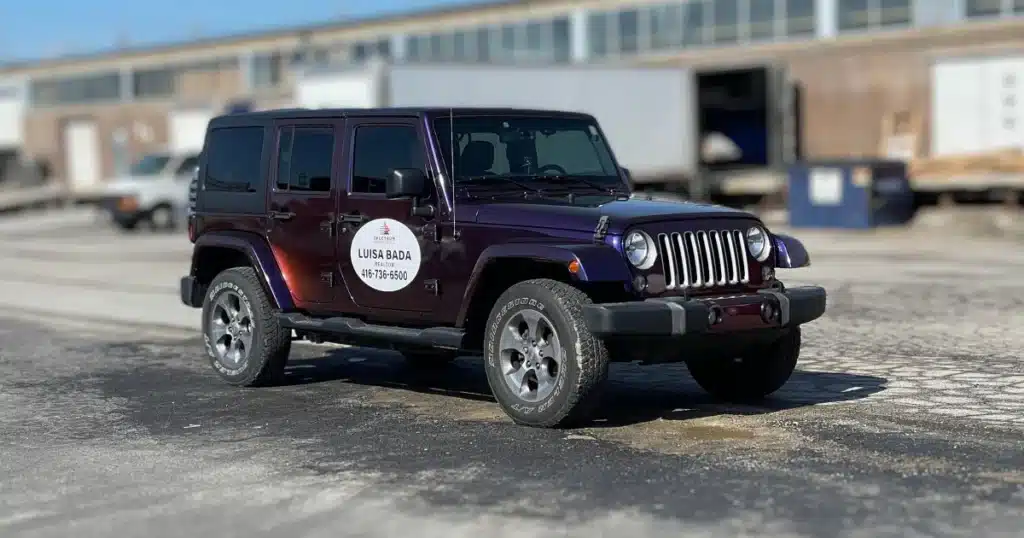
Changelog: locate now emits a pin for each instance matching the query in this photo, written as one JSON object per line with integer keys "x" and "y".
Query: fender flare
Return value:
{"x": 790, "y": 253}
{"x": 261, "y": 257}
{"x": 598, "y": 263}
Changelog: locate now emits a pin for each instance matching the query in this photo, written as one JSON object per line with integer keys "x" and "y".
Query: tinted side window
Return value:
{"x": 381, "y": 148}
{"x": 304, "y": 159}
{"x": 187, "y": 166}
{"x": 233, "y": 159}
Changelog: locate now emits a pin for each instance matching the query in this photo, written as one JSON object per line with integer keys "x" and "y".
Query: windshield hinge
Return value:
{"x": 602, "y": 229}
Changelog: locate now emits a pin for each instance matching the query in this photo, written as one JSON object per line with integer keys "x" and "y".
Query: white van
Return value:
{"x": 153, "y": 193}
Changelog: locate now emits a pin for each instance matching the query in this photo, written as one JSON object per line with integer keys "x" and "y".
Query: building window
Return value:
{"x": 154, "y": 83}
{"x": 984, "y": 8}
{"x": 366, "y": 50}
{"x": 854, "y": 14}
{"x": 762, "y": 19}
{"x": 597, "y": 34}
{"x": 666, "y": 24}
{"x": 267, "y": 70}
{"x": 727, "y": 21}
{"x": 696, "y": 18}
{"x": 873, "y": 14}
{"x": 800, "y": 18}
{"x": 894, "y": 12}
{"x": 483, "y": 44}
{"x": 76, "y": 90}
{"x": 629, "y": 32}
{"x": 561, "y": 40}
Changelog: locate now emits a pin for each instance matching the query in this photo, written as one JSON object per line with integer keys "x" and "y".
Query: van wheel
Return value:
{"x": 544, "y": 367}
{"x": 244, "y": 340}
{"x": 752, "y": 377}
{"x": 162, "y": 218}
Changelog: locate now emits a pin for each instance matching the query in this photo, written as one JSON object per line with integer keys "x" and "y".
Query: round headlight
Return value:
{"x": 758, "y": 244}
{"x": 639, "y": 249}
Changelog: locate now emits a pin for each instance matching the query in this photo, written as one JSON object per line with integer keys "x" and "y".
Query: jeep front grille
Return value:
{"x": 703, "y": 259}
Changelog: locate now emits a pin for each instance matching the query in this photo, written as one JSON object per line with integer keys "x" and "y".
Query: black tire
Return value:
{"x": 265, "y": 361}
{"x": 429, "y": 358}
{"x": 578, "y": 385}
{"x": 750, "y": 378}
{"x": 164, "y": 213}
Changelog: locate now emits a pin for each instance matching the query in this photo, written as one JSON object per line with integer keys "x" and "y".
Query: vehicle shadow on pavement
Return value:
{"x": 635, "y": 394}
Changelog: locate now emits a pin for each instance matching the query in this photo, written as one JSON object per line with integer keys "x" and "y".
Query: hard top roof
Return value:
{"x": 417, "y": 112}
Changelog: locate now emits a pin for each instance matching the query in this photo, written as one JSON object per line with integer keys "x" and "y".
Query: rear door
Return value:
{"x": 301, "y": 206}
{"x": 386, "y": 260}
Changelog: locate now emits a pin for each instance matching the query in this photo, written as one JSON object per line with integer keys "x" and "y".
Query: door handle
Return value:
{"x": 353, "y": 218}
{"x": 282, "y": 215}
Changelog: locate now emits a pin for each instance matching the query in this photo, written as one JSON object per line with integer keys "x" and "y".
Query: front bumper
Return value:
{"x": 679, "y": 316}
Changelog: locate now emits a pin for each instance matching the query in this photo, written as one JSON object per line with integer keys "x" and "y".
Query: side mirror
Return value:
{"x": 406, "y": 183}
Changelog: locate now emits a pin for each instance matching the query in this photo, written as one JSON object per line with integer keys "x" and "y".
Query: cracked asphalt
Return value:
{"x": 905, "y": 419}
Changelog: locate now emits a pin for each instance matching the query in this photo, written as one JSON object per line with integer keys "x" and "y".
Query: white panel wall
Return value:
{"x": 350, "y": 89}
{"x": 187, "y": 129}
{"x": 977, "y": 105}
{"x": 12, "y": 113}
{"x": 647, "y": 114}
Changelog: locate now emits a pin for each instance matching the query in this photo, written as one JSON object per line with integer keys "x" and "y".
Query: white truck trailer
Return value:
{"x": 668, "y": 125}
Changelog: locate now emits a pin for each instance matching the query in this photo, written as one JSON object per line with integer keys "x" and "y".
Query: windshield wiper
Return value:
{"x": 486, "y": 179}
{"x": 560, "y": 178}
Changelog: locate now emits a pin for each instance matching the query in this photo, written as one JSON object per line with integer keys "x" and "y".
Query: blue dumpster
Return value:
{"x": 855, "y": 194}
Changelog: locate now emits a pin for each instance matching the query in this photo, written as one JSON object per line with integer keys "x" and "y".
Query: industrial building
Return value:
{"x": 858, "y": 64}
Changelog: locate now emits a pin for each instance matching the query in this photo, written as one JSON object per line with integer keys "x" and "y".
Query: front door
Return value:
{"x": 304, "y": 182}
{"x": 387, "y": 262}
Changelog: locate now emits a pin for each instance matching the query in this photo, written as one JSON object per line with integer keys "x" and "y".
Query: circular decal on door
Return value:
{"x": 385, "y": 254}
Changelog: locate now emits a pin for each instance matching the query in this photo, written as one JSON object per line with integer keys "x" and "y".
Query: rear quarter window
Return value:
{"x": 233, "y": 174}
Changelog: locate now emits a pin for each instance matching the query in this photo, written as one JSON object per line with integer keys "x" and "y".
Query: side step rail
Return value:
{"x": 441, "y": 337}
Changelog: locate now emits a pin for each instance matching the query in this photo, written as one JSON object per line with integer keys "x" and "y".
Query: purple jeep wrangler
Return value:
{"x": 505, "y": 233}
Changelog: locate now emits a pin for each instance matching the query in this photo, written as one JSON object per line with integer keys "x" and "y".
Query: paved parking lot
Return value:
{"x": 906, "y": 415}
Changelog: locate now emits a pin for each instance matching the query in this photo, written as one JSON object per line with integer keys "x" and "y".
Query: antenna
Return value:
{"x": 455, "y": 233}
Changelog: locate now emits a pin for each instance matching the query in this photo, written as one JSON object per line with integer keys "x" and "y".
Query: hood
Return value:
{"x": 583, "y": 213}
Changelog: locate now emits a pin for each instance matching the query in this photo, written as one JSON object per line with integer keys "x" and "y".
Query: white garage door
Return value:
{"x": 977, "y": 105}
{"x": 12, "y": 109}
{"x": 188, "y": 129}
{"x": 82, "y": 154}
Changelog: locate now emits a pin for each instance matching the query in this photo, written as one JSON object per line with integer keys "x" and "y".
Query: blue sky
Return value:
{"x": 45, "y": 28}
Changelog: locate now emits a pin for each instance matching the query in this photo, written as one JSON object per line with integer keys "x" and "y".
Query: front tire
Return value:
{"x": 753, "y": 376}
{"x": 245, "y": 343}
{"x": 543, "y": 365}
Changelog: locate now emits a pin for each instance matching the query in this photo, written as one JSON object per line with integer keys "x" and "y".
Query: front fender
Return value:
{"x": 598, "y": 263}
{"x": 790, "y": 252}
{"x": 261, "y": 257}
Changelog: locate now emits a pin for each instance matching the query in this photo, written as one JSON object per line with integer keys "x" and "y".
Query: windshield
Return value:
{"x": 527, "y": 149}
{"x": 150, "y": 165}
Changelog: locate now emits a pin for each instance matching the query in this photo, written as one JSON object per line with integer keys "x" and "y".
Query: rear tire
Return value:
{"x": 543, "y": 365}
{"x": 750, "y": 378}
{"x": 245, "y": 342}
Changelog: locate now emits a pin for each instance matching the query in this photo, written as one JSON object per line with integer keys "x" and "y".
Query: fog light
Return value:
{"x": 714, "y": 315}
{"x": 768, "y": 312}
{"x": 767, "y": 273}
{"x": 640, "y": 282}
